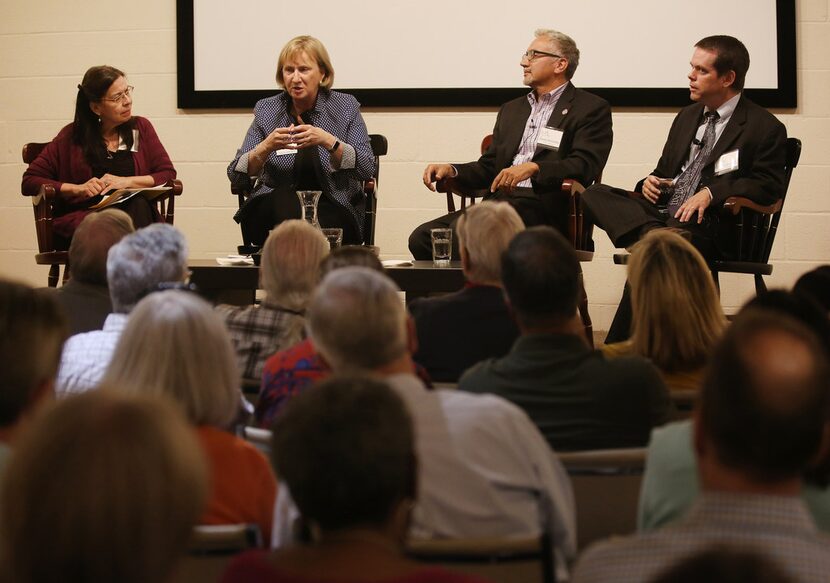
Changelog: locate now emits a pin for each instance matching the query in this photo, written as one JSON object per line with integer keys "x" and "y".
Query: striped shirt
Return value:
{"x": 777, "y": 527}
{"x": 540, "y": 112}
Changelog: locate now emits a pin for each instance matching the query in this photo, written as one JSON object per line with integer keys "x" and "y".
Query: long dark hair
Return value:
{"x": 86, "y": 131}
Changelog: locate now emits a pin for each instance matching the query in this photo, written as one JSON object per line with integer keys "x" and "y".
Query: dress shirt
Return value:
{"x": 777, "y": 527}
{"x": 577, "y": 398}
{"x": 540, "y": 112}
{"x": 670, "y": 484}
{"x": 484, "y": 471}
{"x": 86, "y": 356}
{"x": 257, "y": 332}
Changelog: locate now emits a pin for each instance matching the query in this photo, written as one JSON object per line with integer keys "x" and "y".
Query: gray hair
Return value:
{"x": 139, "y": 262}
{"x": 484, "y": 232}
{"x": 176, "y": 345}
{"x": 91, "y": 242}
{"x": 357, "y": 321}
{"x": 566, "y": 47}
{"x": 291, "y": 262}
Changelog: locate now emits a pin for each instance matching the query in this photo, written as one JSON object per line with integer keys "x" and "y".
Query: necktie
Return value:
{"x": 686, "y": 184}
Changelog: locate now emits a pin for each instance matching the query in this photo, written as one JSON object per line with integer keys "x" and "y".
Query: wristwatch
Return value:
{"x": 334, "y": 147}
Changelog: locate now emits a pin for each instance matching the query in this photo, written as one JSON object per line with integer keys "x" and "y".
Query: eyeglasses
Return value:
{"x": 119, "y": 97}
{"x": 533, "y": 54}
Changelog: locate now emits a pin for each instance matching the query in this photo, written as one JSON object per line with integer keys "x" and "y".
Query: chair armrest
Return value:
{"x": 571, "y": 187}
{"x": 369, "y": 187}
{"x": 46, "y": 193}
{"x": 451, "y": 186}
{"x": 734, "y": 205}
{"x": 177, "y": 186}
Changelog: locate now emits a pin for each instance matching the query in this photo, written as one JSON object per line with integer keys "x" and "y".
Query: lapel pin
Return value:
{"x": 565, "y": 112}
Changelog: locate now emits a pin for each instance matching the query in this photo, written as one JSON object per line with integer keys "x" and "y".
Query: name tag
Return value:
{"x": 285, "y": 151}
{"x": 727, "y": 163}
{"x": 550, "y": 138}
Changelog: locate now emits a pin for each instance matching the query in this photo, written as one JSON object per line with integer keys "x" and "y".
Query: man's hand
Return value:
{"x": 435, "y": 172}
{"x": 651, "y": 187}
{"x": 694, "y": 204}
{"x": 509, "y": 178}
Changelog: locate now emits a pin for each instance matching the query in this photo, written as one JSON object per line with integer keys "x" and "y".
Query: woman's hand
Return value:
{"x": 78, "y": 192}
{"x": 306, "y": 136}
{"x": 279, "y": 139}
{"x": 113, "y": 182}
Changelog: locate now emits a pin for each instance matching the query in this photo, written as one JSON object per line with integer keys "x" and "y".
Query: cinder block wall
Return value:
{"x": 47, "y": 46}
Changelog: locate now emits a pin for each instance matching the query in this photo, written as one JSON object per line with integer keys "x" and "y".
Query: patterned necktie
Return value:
{"x": 686, "y": 184}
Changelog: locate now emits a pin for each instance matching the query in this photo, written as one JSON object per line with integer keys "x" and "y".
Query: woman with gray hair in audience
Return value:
{"x": 289, "y": 271}
{"x": 176, "y": 345}
{"x": 346, "y": 452}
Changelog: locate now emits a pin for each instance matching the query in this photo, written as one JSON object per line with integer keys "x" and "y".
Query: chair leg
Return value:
{"x": 54, "y": 273}
{"x": 583, "y": 311}
{"x": 760, "y": 286}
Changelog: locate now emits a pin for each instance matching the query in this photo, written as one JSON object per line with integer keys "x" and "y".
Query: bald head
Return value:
{"x": 764, "y": 403}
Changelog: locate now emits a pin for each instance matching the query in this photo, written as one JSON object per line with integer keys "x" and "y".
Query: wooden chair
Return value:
{"x": 500, "y": 560}
{"x": 212, "y": 548}
{"x": 380, "y": 147}
{"x": 756, "y": 226}
{"x": 48, "y": 252}
{"x": 579, "y": 231}
{"x": 606, "y": 485}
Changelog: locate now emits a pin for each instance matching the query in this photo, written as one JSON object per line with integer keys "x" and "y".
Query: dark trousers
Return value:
{"x": 262, "y": 213}
{"x": 529, "y": 205}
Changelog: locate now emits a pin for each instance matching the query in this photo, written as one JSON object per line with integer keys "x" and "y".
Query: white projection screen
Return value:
{"x": 429, "y": 53}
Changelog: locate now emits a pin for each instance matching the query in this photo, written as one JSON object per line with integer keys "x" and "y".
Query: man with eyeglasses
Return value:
{"x": 555, "y": 132}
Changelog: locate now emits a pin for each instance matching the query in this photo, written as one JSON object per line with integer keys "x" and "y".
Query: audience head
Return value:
{"x": 562, "y": 45}
{"x": 174, "y": 344}
{"x": 350, "y": 256}
{"x": 764, "y": 401}
{"x": 142, "y": 260}
{"x": 92, "y": 241}
{"x": 357, "y": 321}
{"x": 540, "y": 275}
{"x": 32, "y": 331}
{"x": 677, "y": 315}
{"x": 484, "y": 231}
{"x": 731, "y": 55}
{"x": 314, "y": 50}
{"x": 816, "y": 285}
{"x": 724, "y": 565}
{"x": 290, "y": 263}
{"x": 105, "y": 487}
{"x": 800, "y": 307}
{"x": 346, "y": 451}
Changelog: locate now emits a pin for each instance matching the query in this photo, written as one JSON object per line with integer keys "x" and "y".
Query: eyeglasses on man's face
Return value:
{"x": 533, "y": 54}
{"x": 119, "y": 97}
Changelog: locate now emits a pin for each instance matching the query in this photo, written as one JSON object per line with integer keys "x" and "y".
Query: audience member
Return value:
{"x": 816, "y": 284}
{"x": 484, "y": 468}
{"x": 86, "y": 297}
{"x": 672, "y": 328}
{"x": 290, "y": 262}
{"x": 136, "y": 265}
{"x": 32, "y": 332}
{"x": 292, "y": 370}
{"x": 724, "y": 565}
{"x": 762, "y": 420}
{"x": 670, "y": 486}
{"x": 457, "y": 330}
{"x": 175, "y": 345}
{"x": 347, "y": 452}
{"x": 577, "y": 398}
{"x": 103, "y": 488}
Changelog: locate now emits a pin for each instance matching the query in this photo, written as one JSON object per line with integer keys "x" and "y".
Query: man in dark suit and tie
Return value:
{"x": 555, "y": 132}
{"x": 723, "y": 145}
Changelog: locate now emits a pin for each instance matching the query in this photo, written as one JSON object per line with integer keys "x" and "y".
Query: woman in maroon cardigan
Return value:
{"x": 105, "y": 148}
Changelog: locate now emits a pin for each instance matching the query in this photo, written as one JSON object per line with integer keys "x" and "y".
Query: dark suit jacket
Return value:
{"x": 457, "y": 330}
{"x": 761, "y": 143}
{"x": 585, "y": 120}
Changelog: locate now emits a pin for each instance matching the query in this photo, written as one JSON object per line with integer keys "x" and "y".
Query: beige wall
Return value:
{"x": 47, "y": 45}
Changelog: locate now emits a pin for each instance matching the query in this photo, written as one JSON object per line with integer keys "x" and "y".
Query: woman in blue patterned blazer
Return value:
{"x": 307, "y": 137}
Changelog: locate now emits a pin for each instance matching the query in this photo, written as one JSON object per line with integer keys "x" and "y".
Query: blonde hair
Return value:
{"x": 315, "y": 50}
{"x": 676, "y": 308}
{"x": 175, "y": 344}
{"x": 484, "y": 232}
{"x": 103, "y": 487}
{"x": 291, "y": 260}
